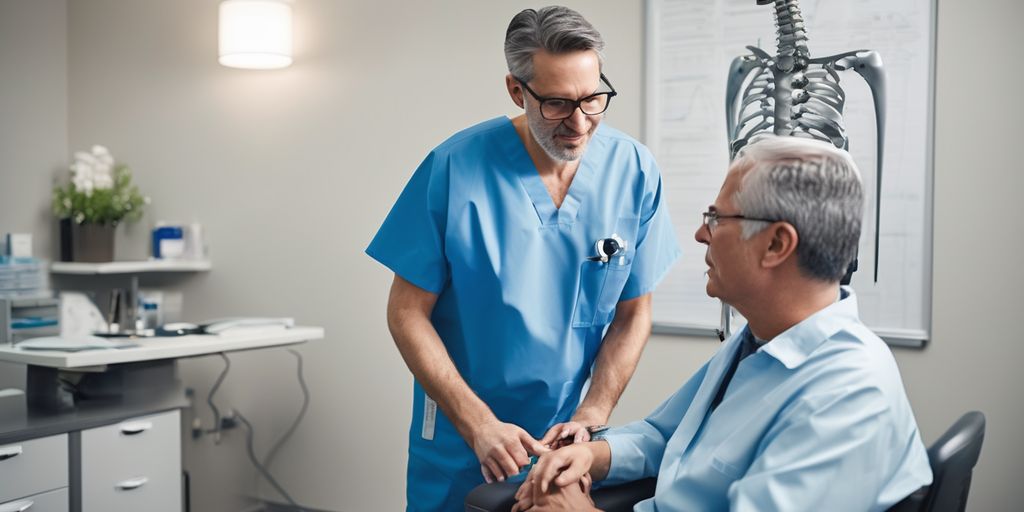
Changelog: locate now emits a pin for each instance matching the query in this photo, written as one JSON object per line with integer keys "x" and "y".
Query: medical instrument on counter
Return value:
{"x": 222, "y": 325}
{"x": 607, "y": 248}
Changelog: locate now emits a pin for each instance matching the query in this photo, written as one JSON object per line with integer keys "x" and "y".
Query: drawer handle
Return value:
{"x": 131, "y": 483}
{"x": 18, "y": 506}
{"x": 137, "y": 427}
{"x": 10, "y": 453}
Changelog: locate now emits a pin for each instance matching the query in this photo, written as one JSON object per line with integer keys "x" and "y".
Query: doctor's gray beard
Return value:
{"x": 545, "y": 137}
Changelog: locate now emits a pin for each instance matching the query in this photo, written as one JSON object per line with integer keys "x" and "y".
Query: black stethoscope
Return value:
{"x": 607, "y": 248}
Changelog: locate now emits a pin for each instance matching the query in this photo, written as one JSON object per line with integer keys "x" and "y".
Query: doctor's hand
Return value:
{"x": 503, "y": 449}
{"x": 564, "y": 434}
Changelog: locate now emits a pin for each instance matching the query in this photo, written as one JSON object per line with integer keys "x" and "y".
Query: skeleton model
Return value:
{"x": 792, "y": 94}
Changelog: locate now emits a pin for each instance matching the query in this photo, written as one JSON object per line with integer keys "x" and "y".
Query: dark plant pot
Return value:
{"x": 89, "y": 243}
{"x": 66, "y": 246}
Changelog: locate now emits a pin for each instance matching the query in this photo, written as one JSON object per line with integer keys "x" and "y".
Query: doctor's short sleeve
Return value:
{"x": 411, "y": 240}
{"x": 656, "y": 245}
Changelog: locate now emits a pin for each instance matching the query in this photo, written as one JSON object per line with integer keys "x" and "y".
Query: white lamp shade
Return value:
{"x": 255, "y": 34}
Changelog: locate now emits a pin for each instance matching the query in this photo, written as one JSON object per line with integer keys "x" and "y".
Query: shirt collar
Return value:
{"x": 796, "y": 344}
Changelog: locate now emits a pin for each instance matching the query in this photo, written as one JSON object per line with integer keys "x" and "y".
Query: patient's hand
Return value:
{"x": 524, "y": 498}
{"x": 562, "y": 467}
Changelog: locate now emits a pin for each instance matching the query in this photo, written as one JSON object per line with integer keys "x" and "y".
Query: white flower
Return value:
{"x": 102, "y": 154}
{"x": 81, "y": 177}
{"x": 93, "y": 170}
{"x": 103, "y": 180}
{"x": 103, "y": 169}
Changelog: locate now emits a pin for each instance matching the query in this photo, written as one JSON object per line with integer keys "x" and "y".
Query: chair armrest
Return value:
{"x": 912, "y": 503}
{"x": 622, "y": 497}
{"x": 494, "y": 497}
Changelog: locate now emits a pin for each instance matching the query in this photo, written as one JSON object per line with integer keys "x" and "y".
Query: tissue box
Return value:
{"x": 19, "y": 245}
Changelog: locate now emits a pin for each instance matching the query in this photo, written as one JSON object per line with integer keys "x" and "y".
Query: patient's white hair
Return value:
{"x": 812, "y": 185}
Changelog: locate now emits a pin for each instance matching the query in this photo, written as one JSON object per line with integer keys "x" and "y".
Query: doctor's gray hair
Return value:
{"x": 811, "y": 185}
{"x": 555, "y": 29}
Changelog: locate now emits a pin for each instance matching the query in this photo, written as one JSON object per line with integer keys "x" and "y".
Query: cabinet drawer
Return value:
{"x": 33, "y": 466}
{"x": 133, "y": 465}
{"x": 53, "y": 501}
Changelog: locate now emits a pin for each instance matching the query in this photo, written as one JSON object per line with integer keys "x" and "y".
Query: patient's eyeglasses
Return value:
{"x": 711, "y": 218}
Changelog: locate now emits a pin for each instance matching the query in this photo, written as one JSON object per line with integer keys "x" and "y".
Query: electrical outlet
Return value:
{"x": 228, "y": 420}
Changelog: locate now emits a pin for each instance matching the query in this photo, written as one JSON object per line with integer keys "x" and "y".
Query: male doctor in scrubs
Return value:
{"x": 804, "y": 408}
{"x": 525, "y": 251}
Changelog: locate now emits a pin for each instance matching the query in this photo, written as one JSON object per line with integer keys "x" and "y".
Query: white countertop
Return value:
{"x": 130, "y": 267}
{"x": 166, "y": 347}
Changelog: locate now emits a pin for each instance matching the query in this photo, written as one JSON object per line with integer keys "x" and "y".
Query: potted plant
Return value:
{"x": 99, "y": 196}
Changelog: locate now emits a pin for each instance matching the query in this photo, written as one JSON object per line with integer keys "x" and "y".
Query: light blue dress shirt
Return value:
{"x": 816, "y": 419}
{"x": 520, "y": 309}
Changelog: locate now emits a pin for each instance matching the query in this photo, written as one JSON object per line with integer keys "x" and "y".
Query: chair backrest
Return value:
{"x": 953, "y": 457}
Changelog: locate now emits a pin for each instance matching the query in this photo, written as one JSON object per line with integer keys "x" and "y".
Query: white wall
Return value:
{"x": 974, "y": 360}
{"x": 33, "y": 124}
{"x": 292, "y": 171}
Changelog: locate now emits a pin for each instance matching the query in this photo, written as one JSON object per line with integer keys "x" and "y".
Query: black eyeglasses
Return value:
{"x": 711, "y": 218}
{"x": 556, "y": 109}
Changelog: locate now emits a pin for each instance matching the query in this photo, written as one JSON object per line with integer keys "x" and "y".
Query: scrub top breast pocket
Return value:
{"x": 601, "y": 283}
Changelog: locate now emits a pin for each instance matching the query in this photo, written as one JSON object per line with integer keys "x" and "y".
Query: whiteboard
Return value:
{"x": 690, "y": 45}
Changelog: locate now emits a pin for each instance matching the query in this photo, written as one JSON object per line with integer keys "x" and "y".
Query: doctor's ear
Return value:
{"x": 515, "y": 90}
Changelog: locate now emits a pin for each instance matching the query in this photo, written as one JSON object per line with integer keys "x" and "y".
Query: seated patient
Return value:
{"x": 801, "y": 410}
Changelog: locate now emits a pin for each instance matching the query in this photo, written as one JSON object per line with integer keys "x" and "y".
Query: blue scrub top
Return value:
{"x": 520, "y": 308}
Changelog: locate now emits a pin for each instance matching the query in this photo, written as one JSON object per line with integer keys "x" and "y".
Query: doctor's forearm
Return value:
{"x": 617, "y": 359}
{"x": 434, "y": 370}
{"x": 424, "y": 353}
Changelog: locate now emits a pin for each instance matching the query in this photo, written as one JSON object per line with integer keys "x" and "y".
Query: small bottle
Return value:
{"x": 195, "y": 245}
{"x": 150, "y": 315}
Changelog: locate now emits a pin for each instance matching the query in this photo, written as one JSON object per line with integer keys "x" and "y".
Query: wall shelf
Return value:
{"x": 130, "y": 267}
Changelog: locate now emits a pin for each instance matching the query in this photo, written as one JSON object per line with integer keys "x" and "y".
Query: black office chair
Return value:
{"x": 952, "y": 458}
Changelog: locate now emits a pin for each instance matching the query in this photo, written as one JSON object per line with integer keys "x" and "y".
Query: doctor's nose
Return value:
{"x": 577, "y": 121}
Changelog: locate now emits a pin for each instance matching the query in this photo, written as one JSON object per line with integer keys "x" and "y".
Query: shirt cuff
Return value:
{"x": 627, "y": 460}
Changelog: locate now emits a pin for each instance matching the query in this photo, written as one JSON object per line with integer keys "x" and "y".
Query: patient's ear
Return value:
{"x": 782, "y": 245}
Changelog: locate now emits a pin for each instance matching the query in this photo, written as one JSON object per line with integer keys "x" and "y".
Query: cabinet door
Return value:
{"x": 53, "y": 501}
{"x": 33, "y": 466}
{"x": 133, "y": 465}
